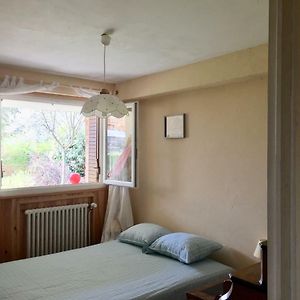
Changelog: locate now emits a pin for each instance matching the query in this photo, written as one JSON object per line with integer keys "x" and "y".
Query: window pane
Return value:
{"x": 119, "y": 149}
{"x": 41, "y": 144}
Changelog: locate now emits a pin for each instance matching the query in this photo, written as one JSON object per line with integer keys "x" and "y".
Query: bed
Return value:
{"x": 111, "y": 270}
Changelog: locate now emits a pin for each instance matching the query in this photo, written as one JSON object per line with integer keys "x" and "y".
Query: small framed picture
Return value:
{"x": 175, "y": 126}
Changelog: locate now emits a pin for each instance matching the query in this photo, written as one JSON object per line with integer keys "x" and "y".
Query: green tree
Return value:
{"x": 75, "y": 156}
{"x": 9, "y": 115}
{"x": 65, "y": 128}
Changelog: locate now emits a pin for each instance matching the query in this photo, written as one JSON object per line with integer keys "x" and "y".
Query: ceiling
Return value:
{"x": 63, "y": 36}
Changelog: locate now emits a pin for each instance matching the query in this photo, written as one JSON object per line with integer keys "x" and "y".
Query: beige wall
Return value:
{"x": 213, "y": 182}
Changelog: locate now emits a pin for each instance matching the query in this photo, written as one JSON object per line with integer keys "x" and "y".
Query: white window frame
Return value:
{"x": 133, "y": 182}
{"x": 4, "y": 192}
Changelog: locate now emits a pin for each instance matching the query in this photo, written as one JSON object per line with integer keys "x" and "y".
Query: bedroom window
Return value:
{"x": 45, "y": 143}
{"x": 41, "y": 144}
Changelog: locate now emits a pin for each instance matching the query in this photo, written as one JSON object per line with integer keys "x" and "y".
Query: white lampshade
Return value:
{"x": 258, "y": 250}
{"x": 103, "y": 106}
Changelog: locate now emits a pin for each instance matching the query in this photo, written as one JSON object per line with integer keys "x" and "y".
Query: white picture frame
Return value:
{"x": 175, "y": 126}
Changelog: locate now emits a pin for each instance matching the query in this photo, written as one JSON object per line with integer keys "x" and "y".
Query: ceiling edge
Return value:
{"x": 227, "y": 68}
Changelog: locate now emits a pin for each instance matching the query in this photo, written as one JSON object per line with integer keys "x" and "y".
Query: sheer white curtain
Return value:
{"x": 12, "y": 85}
{"x": 86, "y": 93}
{"x": 118, "y": 215}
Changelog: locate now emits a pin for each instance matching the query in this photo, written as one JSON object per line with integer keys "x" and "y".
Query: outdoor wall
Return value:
{"x": 214, "y": 181}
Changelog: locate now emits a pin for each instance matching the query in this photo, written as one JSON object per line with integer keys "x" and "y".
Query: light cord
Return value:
{"x": 104, "y": 63}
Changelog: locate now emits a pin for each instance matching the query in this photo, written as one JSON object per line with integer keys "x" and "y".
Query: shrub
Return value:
{"x": 45, "y": 171}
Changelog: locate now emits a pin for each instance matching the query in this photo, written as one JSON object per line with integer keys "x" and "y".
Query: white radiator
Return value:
{"x": 60, "y": 228}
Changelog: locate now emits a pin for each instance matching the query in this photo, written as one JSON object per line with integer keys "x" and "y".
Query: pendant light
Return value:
{"x": 104, "y": 104}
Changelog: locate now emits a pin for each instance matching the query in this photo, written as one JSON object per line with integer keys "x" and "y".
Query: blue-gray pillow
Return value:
{"x": 185, "y": 247}
{"x": 143, "y": 234}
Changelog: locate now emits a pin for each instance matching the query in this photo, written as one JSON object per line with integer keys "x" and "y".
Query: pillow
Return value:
{"x": 185, "y": 247}
{"x": 142, "y": 234}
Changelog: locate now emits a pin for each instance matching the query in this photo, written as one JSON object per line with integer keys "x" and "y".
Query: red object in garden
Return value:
{"x": 74, "y": 178}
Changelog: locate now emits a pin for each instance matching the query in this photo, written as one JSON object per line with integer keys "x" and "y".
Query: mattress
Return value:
{"x": 111, "y": 270}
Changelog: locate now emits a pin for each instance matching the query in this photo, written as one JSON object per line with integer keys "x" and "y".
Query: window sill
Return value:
{"x": 49, "y": 189}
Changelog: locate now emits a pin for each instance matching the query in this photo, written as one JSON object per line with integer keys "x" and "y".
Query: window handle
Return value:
{"x": 1, "y": 172}
{"x": 98, "y": 168}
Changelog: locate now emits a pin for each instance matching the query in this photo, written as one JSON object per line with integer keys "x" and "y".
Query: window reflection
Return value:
{"x": 119, "y": 148}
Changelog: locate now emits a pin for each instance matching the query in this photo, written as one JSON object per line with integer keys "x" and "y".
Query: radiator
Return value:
{"x": 56, "y": 229}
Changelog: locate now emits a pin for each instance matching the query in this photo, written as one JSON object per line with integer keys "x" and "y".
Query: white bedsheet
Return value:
{"x": 111, "y": 270}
